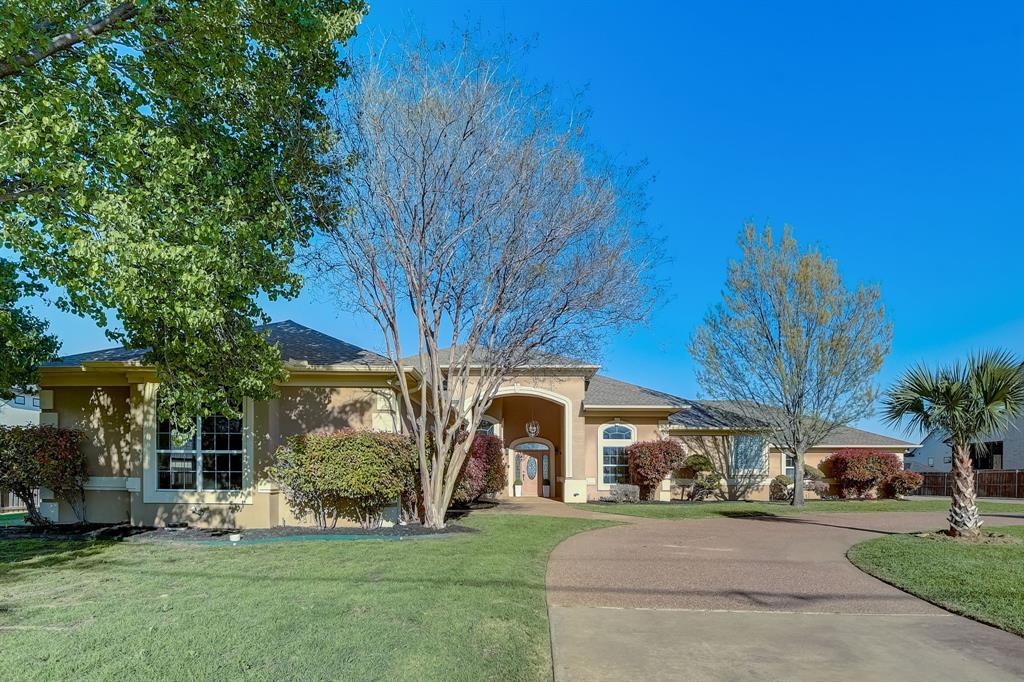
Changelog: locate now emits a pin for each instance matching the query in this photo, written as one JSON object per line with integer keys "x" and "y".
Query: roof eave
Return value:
{"x": 659, "y": 408}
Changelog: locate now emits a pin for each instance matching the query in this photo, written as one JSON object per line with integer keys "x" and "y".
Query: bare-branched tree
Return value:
{"x": 790, "y": 346}
{"x": 480, "y": 232}
{"x": 733, "y": 460}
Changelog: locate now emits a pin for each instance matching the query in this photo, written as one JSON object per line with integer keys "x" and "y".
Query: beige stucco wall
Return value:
{"x": 645, "y": 423}
{"x": 103, "y": 413}
{"x": 112, "y": 417}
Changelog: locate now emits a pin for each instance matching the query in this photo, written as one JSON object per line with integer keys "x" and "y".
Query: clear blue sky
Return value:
{"x": 890, "y": 133}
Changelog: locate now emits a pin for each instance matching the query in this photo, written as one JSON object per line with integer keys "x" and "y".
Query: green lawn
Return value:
{"x": 704, "y": 510}
{"x": 470, "y": 607}
{"x": 985, "y": 582}
{"x": 12, "y": 519}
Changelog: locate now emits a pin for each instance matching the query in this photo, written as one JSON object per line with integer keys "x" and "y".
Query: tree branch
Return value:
{"x": 117, "y": 17}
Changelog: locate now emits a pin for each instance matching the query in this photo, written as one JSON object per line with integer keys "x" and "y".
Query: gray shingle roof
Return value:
{"x": 299, "y": 345}
{"x": 701, "y": 415}
{"x": 844, "y": 435}
{"x": 602, "y": 390}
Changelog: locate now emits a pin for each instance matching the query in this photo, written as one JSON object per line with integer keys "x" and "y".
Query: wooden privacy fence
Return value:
{"x": 994, "y": 483}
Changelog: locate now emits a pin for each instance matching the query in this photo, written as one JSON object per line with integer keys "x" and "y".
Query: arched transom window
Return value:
{"x": 612, "y": 443}
{"x": 488, "y": 425}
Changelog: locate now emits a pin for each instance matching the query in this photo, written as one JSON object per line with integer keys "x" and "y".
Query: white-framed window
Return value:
{"x": 748, "y": 454}
{"x": 613, "y": 439}
{"x": 791, "y": 467}
{"x": 212, "y": 459}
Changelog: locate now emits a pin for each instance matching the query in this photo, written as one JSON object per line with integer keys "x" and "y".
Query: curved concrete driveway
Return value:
{"x": 766, "y": 598}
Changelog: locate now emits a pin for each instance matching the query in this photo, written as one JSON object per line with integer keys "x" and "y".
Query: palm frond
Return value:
{"x": 967, "y": 400}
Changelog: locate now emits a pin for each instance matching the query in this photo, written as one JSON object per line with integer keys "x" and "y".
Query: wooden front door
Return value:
{"x": 530, "y": 473}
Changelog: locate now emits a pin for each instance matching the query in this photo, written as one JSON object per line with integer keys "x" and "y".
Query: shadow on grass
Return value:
{"x": 17, "y": 556}
{"x": 776, "y": 518}
{"x": 747, "y": 514}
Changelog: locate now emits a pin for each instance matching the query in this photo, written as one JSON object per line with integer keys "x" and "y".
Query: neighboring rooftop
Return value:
{"x": 299, "y": 345}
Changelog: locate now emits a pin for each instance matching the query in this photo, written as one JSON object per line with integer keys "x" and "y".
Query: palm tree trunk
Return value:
{"x": 964, "y": 520}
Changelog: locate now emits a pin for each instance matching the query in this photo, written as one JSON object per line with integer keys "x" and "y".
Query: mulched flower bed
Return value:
{"x": 95, "y": 531}
{"x": 72, "y": 531}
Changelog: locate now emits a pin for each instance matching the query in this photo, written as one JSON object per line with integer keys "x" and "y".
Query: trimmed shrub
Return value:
{"x": 351, "y": 474}
{"x": 705, "y": 485}
{"x": 650, "y": 461}
{"x": 778, "y": 489}
{"x": 818, "y": 487}
{"x": 697, "y": 463}
{"x": 858, "y": 472}
{"x": 901, "y": 483}
{"x": 813, "y": 473}
{"x": 483, "y": 471}
{"x": 707, "y": 481}
{"x": 624, "y": 493}
{"x": 51, "y": 457}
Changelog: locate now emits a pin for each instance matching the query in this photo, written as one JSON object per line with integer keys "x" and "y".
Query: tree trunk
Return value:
{"x": 798, "y": 479}
{"x": 27, "y": 496}
{"x": 433, "y": 514}
{"x": 964, "y": 520}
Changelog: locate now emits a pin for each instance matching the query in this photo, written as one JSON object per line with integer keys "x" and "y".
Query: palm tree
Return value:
{"x": 967, "y": 402}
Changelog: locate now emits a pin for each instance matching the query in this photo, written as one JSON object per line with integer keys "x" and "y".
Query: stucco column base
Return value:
{"x": 574, "y": 490}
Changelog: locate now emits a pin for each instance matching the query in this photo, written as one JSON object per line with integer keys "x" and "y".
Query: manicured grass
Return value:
{"x": 704, "y": 510}
{"x": 12, "y": 519}
{"x": 469, "y": 607}
{"x": 985, "y": 582}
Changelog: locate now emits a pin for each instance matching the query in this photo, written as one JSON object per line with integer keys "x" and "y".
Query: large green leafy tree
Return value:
{"x": 24, "y": 341}
{"x": 158, "y": 159}
{"x": 964, "y": 401}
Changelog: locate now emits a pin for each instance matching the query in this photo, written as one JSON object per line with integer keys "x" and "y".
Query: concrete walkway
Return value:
{"x": 766, "y": 598}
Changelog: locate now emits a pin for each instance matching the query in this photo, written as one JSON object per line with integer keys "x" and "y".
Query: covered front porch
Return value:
{"x": 533, "y": 429}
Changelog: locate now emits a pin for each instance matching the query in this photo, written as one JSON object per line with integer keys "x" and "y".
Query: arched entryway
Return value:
{"x": 532, "y": 466}
{"x": 539, "y": 417}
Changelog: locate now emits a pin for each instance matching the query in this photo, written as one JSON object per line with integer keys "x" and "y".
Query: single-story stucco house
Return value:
{"x": 564, "y": 427}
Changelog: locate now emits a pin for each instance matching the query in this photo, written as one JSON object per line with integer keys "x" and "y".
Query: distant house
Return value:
{"x": 20, "y": 410}
{"x": 1000, "y": 450}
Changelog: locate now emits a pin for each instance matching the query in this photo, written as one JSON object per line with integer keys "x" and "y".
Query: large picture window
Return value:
{"x": 748, "y": 455}
{"x": 211, "y": 459}
{"x": 612, "y": 446}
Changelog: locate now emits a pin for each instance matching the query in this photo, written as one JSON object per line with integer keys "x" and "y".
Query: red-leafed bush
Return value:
{"x": 901, "y": 483}
{"x": 650, "y": 461}
{"x": 34, "y": 457}
{"x": 857, "y": 472}
{"x": 484, "y": 470}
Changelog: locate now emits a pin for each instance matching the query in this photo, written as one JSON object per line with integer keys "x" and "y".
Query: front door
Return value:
{"x": 530, "y": 473}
